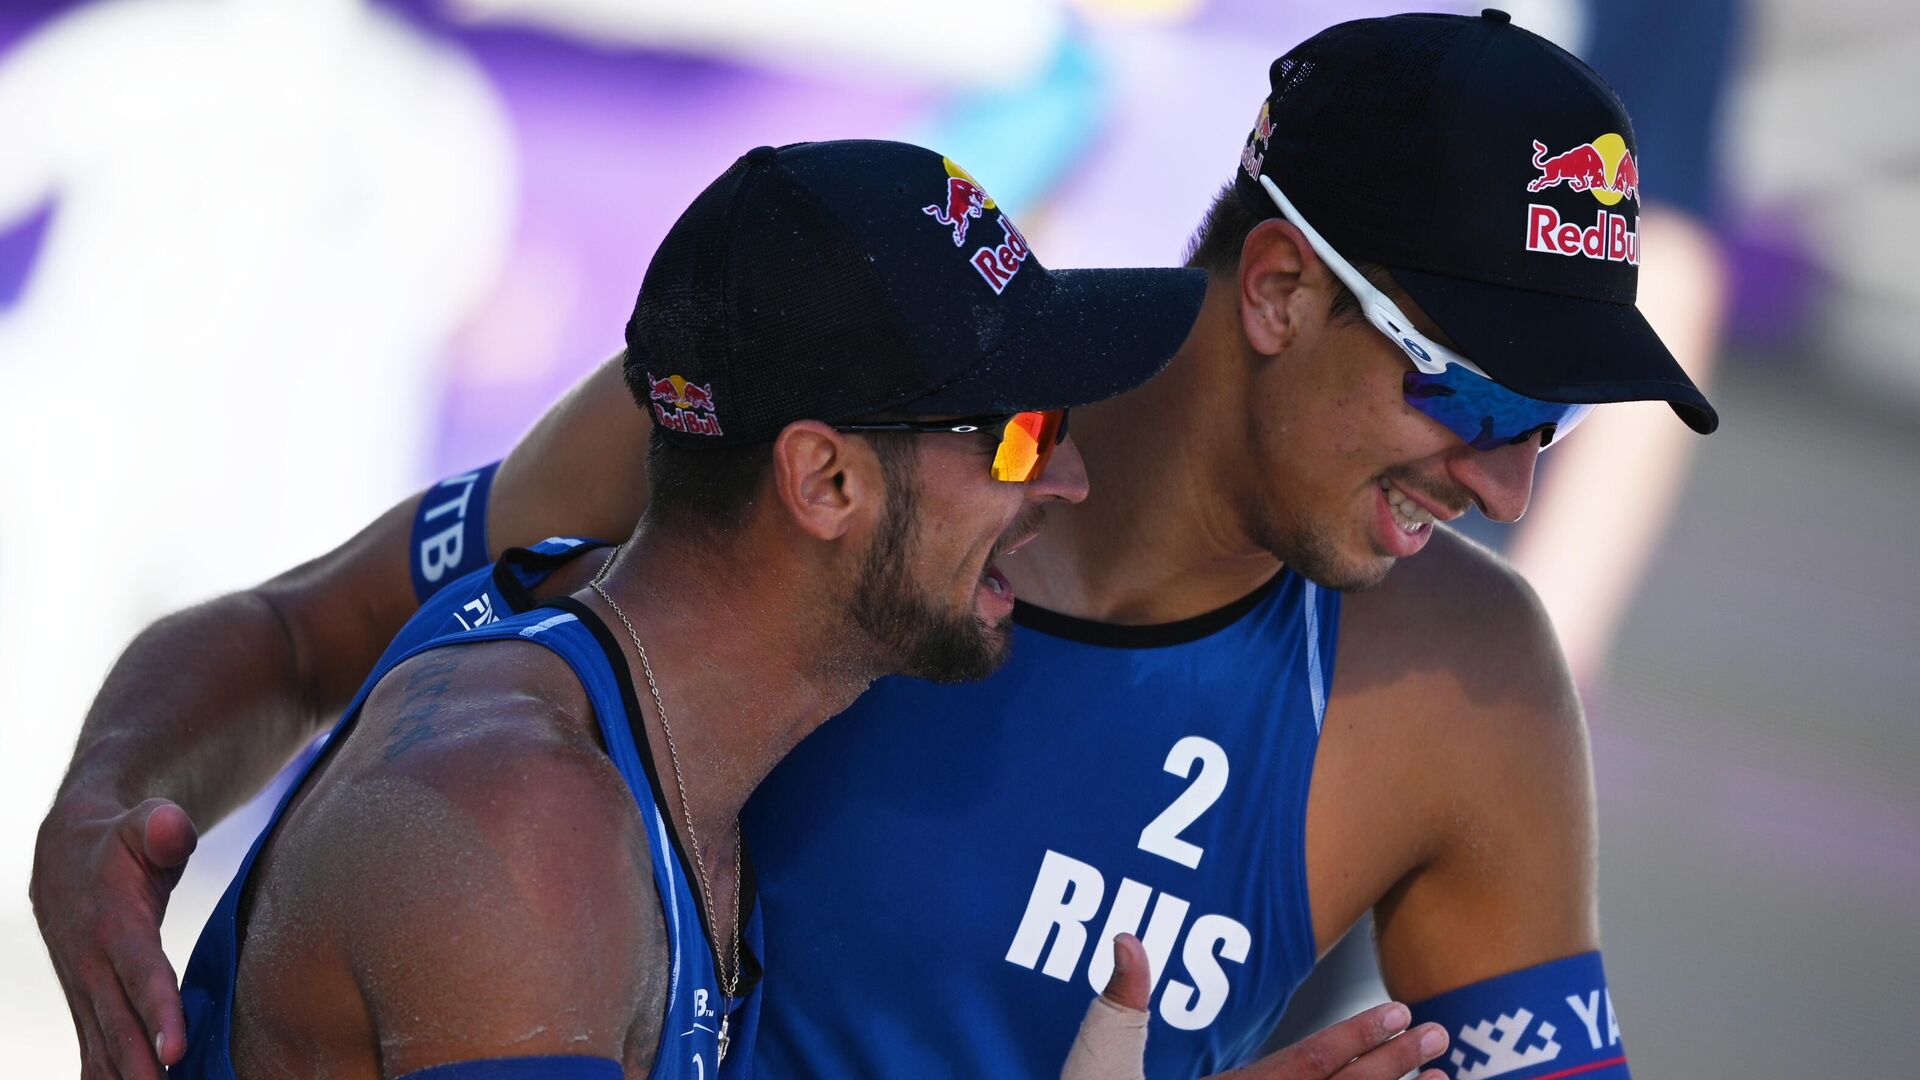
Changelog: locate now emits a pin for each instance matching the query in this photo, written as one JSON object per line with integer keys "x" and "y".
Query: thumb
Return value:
{"x": 167, "y": 835}
{"x": 1128, "y": 987}
{"x": 1112, "y": 1043}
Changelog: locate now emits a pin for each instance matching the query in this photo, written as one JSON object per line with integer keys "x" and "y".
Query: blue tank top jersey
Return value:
{"x": 490, "y": 604}
{"x": 945, "y": 867}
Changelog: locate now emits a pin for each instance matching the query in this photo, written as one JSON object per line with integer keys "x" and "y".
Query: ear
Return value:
{"x": 825, "y": 480}
{"x": 1280, "y": 278}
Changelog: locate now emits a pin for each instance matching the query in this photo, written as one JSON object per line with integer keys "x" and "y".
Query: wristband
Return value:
{"x": 450, "y": 531}
{"x": 1547, "y": 1022}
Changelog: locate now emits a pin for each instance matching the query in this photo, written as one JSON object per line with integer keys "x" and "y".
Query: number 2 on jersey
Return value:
{"x": 1162, "y": 835}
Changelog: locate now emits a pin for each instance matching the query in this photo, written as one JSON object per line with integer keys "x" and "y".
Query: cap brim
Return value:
{"x": 1558, "y": 348}
{"x": 1100, "y": 333}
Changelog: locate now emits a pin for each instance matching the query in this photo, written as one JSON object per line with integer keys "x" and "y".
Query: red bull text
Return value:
{"x": 679, "y": 405}
{"x": 999, "y": 263}
{"x": 1610, "y": 238}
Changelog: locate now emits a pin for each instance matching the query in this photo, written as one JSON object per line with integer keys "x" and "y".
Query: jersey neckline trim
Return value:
{"x": 1148, "y": 636}
{"x": 519, "y": 593}
{"x": 750, "y": 967}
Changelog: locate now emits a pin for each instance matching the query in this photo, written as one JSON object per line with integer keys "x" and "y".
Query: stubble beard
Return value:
{"x": 1315, "y": 555}
{"x": 914, "y": 631}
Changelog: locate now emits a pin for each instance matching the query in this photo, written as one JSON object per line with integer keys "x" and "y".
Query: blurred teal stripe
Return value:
{"x": 1019, "y": 141}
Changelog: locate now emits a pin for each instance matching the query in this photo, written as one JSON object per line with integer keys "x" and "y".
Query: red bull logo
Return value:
{"x": 966, "y": 200}
{"x": 1603, "y": 168}
{"x": 1254, "y": 155}
{"x": 679, "y": 405}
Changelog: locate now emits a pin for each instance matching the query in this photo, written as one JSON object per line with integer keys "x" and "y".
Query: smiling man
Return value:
{"x": 508, "y": 863}
{"x": 1198, "y": 740}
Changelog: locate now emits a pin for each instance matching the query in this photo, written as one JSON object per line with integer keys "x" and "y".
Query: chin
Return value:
{"x": 1348, "y": 575}
{"x": 1329, "y": 563}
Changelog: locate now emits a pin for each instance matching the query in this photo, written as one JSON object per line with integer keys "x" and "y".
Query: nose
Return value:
{"x": 1065, "y": 477}
{"x": 1501, "y": 480}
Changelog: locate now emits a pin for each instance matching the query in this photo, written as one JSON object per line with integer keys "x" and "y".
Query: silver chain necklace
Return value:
{"x": 729, "y": 983}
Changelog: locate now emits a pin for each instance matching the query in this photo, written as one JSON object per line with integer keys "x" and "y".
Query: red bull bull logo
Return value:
{"x": 1603, "y": 168}
{"x": 966, "y": 200}
{"x": 679, "y": 405}
{"x": 1254, "y": 155}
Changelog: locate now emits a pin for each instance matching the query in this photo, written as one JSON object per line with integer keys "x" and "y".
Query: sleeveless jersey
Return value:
{"x": 486, "y": 605}
{"x": 945, "y": 867}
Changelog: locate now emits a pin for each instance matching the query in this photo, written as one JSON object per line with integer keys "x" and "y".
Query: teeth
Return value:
{"x": 1410, "y": 516}
{"x": 993, "y": 582}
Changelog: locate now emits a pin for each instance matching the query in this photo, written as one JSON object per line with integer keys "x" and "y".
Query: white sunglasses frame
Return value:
{"x": 1427, "y": 354}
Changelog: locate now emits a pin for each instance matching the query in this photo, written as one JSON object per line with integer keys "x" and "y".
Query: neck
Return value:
{"x": 748, "y": 655}
{"x": 1162, "y": 536}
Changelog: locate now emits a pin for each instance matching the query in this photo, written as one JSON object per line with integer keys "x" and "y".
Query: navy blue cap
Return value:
{"x": 835, "y": 281}
{"x": 1497, "y": 179}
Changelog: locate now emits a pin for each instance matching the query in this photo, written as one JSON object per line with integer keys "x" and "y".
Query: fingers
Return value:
{"x": 122, "y": 1047}
{"x": 1399, "y": 1056}
{"x": 101, "y": 883}
{"x": 1129, "y": 986}
{"x": 147, "y": 979}
{"x": 159, "y": 832}
{"x": 167, "y": 835}
{"x": 85, "y": 1032}
{"x": 1374, "y": 1045}
{"x": 1326, "y": 1052}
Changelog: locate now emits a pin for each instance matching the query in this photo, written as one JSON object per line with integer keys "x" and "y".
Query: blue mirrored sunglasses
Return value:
{"x": 1443, "y": 384}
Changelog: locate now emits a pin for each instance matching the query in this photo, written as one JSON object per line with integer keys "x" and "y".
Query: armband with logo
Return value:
{"x": 1547, "y": 1022}
{"x": 450, "y": 531}
{"x": 564, "y": 1067}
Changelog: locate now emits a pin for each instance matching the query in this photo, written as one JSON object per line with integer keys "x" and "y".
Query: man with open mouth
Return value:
{"x": 1239, "y": 713}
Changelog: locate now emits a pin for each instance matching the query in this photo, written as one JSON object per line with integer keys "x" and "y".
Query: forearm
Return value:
{"x": 208, "y": 703}
{"x": 202, "y": 709}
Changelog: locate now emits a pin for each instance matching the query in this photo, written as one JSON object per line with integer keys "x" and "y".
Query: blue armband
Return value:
{"x": 568, "y": 1067}
{"x": 1545, "y": 1023}
{"x": 450, "y": 531}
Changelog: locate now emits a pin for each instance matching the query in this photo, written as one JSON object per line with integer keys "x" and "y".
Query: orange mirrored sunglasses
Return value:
{"x": 1026, "y": 443}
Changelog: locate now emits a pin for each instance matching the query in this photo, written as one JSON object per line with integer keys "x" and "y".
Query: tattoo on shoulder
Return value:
{"x": 424, "y": 684}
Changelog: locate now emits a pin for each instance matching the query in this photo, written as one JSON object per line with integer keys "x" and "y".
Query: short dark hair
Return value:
{"x": 708, "y": 491}
{"x": 1216, "y": 246}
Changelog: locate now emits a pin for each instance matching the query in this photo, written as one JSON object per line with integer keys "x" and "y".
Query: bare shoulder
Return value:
{"x": 478, "y": 867}
{"x": 1453, "y": 705}
{"x": 1454, "y": 658}
{"x": 1461, "y": 623}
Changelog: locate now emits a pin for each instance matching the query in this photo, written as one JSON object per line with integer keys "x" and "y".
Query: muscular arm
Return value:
{"x": 1481, "y": 811}
{"x": 1511, "y": 878}
{"x": 206, "y": 704}
{"x": 467, "y": 879}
